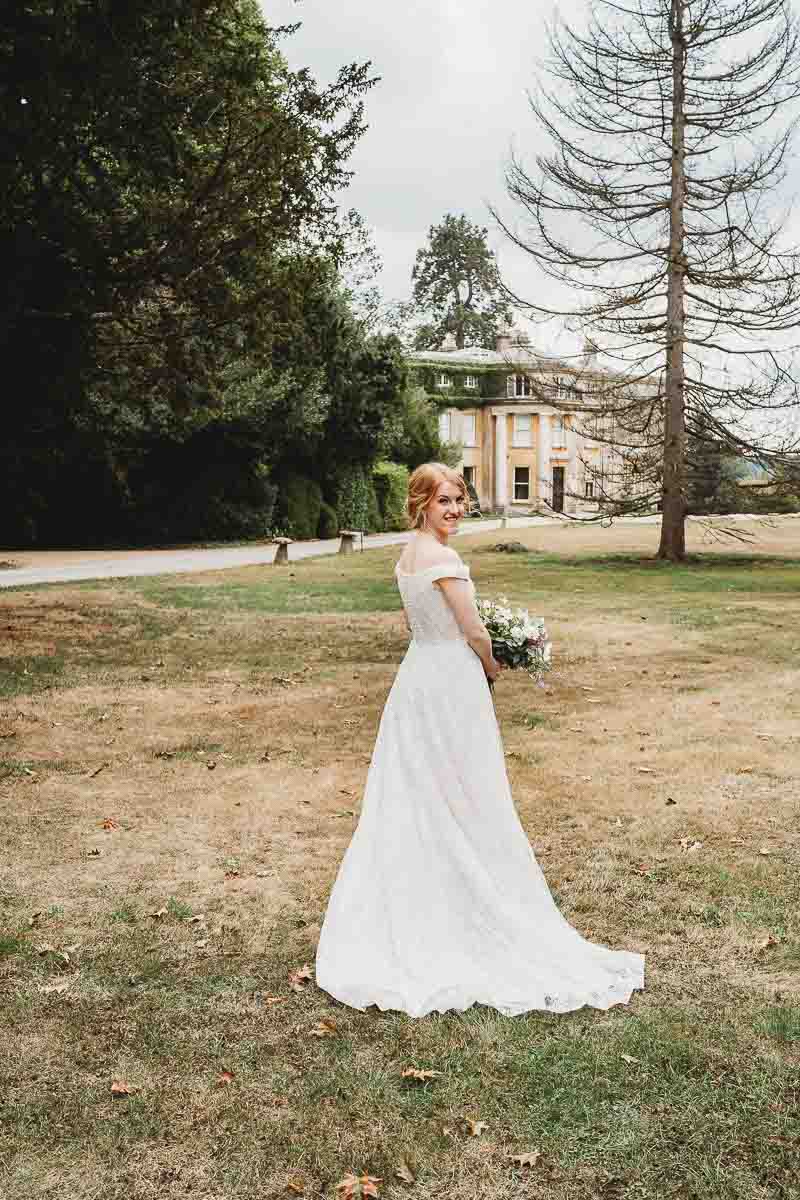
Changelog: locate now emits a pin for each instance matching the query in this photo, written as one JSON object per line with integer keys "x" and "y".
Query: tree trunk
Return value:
{"x": 673, "y": 518}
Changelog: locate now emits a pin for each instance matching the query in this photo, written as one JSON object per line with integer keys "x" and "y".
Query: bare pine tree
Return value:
{"x": 670, "y": 125}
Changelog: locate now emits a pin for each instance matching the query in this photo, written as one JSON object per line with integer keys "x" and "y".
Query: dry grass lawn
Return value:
{"x": 181, "y": 764}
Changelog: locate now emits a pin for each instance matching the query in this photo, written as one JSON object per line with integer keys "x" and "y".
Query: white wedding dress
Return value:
{"x": 439, "y": 902}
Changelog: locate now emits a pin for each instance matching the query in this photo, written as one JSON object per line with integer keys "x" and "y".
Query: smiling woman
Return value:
{"x": 439, "y": 902}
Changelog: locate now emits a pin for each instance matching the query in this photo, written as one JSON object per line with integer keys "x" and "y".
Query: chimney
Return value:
{"x": 503, "y": 339}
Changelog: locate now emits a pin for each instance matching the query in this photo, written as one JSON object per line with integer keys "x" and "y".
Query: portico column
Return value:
{"x": 543, "y": 444}
{"x": 572, "y": 464}
{"x": 500, "y": 460}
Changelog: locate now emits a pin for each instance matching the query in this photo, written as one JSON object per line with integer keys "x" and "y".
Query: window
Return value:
{"x": 588, "y": 489}
{"x": 444, "y": 426}
{"x": 559, "y": 431}
{"x": 519, "y": 385}
{"x": 469, "y": 476}
{"x": 521, "y": 435}
{"x": 522, "y": 483}
{"x": 443, "y": 381}
{"x": 468, "y": 429}
{"x": 471, "y": 381}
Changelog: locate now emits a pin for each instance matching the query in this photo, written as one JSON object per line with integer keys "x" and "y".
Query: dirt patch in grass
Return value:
{"x": 176, "y": 802}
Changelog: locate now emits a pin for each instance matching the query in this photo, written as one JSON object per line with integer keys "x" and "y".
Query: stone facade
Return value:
{"x": 522, "y": 420}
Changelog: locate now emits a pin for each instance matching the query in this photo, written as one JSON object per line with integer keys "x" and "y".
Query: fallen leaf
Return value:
{"x": 325, "y": 1028}
{"x": 771, "y": 941}
{"x": 298, "y": 979}
{"x": 109, "y": 823}
{"x": 231, "y": 874}
{"x": 414, "y": 1073}
{"x": 296, "y": 1186}
{"x": 628, "y": 1058}
{"x": 97, "y": 770}
{"x": 225, "y": 1078}
{"x": 354, "y": 1187}
{"x": 47, "y": 988}
{"x": 120, "y": 1088}
{"x": 475, "y": 1128}
{"x": 161, "y": 912}
{"x": 646, "y": 770}
{"x": 34, "y": 918}
{"x": 764, "y": 850}
{"x": 528, "y": 1158}
{"x": 404, "y": 1172}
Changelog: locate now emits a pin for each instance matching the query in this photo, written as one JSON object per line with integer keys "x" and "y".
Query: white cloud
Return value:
{"x": 451, "y": 97}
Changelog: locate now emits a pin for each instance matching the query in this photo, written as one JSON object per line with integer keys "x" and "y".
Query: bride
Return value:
{"x": 439, "y": 902}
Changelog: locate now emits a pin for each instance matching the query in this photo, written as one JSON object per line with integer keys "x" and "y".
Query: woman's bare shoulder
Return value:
{"x": 423, "y": 557}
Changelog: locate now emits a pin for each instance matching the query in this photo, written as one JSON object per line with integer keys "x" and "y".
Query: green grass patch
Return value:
{"x": 671, "y": 1093}
{"x": 279, "y": 596}
{"x": 781, "y": 1022}
{"x": 27, "y": 675}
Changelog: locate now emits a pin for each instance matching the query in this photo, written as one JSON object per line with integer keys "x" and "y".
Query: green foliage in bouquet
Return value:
{"x": 519, "y": 641}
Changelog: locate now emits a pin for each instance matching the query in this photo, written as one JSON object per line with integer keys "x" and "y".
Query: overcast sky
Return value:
{"x": 442, "y": 119}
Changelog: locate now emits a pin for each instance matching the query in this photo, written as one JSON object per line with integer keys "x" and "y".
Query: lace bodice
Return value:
{"x": 429, "y": 615}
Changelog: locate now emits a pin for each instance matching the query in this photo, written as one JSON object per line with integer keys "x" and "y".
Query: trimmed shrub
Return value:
{"x": 356, "y": 502}
{"x": 302, "y": 504}
{"x": 374, "y": 519}
{"x": 328, "y": 521}
{"x": 391, "y": 488}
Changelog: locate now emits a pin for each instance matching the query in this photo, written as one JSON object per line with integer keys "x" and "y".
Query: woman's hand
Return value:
{"x": 493, "y": 670}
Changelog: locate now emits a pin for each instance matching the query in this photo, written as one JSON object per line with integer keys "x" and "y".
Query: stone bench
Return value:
{"x": 282, "y": 553}
{"x": 348, "y": 537}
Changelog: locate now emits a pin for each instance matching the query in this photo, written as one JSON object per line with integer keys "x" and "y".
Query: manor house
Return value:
{"x": 523, "y": 420}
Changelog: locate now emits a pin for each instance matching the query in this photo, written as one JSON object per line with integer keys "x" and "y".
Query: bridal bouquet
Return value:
{"x": 519, "y": 641}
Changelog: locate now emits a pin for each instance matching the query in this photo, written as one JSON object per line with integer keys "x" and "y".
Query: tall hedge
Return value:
{"x": 301, "y": 503}
{"x": 391, "y": 488}
{"x": 356, "y": 502}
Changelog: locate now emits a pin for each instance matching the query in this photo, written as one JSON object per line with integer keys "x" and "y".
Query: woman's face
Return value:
{"x": 444, "y": 510}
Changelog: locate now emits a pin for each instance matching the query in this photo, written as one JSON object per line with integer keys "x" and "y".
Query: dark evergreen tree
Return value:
{"x": 457, "y": 286}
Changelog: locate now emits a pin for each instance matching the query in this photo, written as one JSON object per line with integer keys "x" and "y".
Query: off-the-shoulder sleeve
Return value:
{"x": 448, "y": 570}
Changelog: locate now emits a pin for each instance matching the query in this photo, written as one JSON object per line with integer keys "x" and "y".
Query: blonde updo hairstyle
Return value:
{"x": 423, "y": 486}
